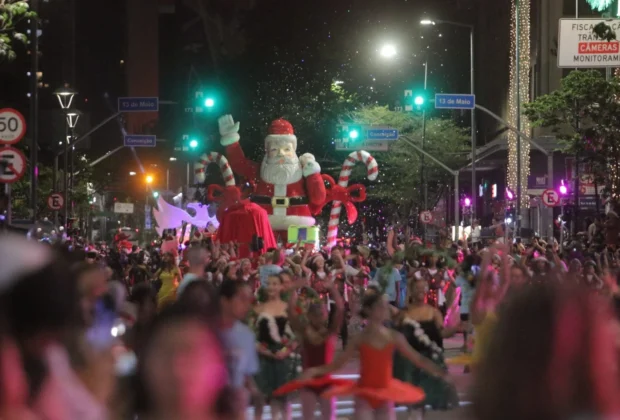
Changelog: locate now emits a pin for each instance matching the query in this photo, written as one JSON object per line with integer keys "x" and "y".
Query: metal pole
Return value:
{"x": 423, "y": 165}
{"x": 55, "y": 185}
{"x": 71, "y": 170}
{"x": 561, "y": 224}
{"x": 97, "y": 127}
{"x": 518, "y": 95}
{"x": 65, "y": 178}
{"x": 167, "y": 179}
{"x": 187, "y": 173}
{"x": 456, "y": 207}
{"x": 474, "y": 195}
{"x": 34, "y": 109}
{"x": 7, "y": 193}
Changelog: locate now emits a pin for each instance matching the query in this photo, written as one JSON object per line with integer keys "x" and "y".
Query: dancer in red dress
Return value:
{"x": 376, "y": 391}
{"x": 318, "y": 344}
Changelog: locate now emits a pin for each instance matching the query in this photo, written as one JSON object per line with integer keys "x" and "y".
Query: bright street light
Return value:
{"x": 65, "y": 96}
{"x": 173, "y": 159}
{"x": 388, "y": 51}
{"x": 132, "y": 173}
{"x": 427, "y": 22}
{"x": 149, "y": 179}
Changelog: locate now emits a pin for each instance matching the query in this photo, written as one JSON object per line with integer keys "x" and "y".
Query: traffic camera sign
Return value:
{"x": 55, "y": 201}
{"x": 12, "y": 165}
{"x": 12, "y": 126}
{"x": 550, "y": 198}
{"x": 426, "y": 217}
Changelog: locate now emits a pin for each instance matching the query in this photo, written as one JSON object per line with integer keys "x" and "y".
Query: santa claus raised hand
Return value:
{"x": 290, "y": 188}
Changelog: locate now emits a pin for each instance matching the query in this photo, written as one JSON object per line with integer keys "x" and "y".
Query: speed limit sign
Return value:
{"x": 12, "y": 126}
{"x": 426, "y": 217}
{"x": 55, "y": 201}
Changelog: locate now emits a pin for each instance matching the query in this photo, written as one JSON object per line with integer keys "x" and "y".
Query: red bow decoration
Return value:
{"x": 346, "y": 195}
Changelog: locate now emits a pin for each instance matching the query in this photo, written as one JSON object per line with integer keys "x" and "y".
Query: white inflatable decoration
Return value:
{"x": 171, "y": 217}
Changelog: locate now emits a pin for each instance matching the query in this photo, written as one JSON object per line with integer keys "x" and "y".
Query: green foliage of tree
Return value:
{"x": 584, "y": 115}
{"x": 21, "y": 190}
{"x": 12, "y": 13}
{"x": 399, "y": 169}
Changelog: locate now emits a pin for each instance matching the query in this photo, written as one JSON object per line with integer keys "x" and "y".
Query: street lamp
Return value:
{"x": 388, "y": 51}
{"x": 431, "y": 22}
{"x": 73, "y": 116}
{"x": 149, "y": 179}
{"x": 65, "y": 96}
{"x": 132, "y": 173}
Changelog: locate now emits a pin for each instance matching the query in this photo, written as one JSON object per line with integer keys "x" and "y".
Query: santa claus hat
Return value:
{"x": 281, "y": 131}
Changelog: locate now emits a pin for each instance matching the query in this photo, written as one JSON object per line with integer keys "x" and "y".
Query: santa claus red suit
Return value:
{"x": 288, "y": 187}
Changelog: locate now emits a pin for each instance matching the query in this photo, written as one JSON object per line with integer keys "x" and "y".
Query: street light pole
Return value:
{"x": 518, "y": 92}
{"x": 423, "y": 185}
{"x": 474, "y": 194}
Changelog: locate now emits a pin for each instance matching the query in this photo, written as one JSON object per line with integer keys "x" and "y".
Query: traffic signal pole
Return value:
{"x": 423, "y": 185}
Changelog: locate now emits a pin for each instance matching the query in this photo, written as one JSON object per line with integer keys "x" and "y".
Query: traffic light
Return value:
{"x": 209, "y": 102}
{"x": 193, "y": 144}
{"x": 155, "y": 194}
{"x": 351, "y": 132}
{"x": 205, "y": 101}
{"x": 418, "y": 100}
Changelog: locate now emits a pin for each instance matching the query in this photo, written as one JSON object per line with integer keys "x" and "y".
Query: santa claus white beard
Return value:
{"x": 272, "y": 171}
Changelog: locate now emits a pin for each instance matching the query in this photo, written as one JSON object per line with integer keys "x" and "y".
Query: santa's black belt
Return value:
{"x": 279, "y": 201}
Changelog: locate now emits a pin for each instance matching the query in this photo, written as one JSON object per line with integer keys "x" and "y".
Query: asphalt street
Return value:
{"x": 345, "y": 406}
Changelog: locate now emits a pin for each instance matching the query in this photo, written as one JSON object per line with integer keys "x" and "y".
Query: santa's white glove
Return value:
{"x": 309, "y": 165}
{"x": 229, "y": 130}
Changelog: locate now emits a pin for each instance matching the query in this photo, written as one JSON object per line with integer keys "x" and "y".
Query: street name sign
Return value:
{"x": 138, "y": 104}
{"x": 138, "y": 140}
{"x": 578, "y": 46}
{"x": 382, "y": 134}
{"x": 368, "y": 145}
{"x": 12, "y": 165}
{"x": 454, "y": 101}
{"x": 12, "y": 126}
{"x": 55, "y": 201}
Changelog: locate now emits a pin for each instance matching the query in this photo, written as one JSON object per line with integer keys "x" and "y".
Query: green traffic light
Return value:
{"x": 354, "y": 134}
{"x": 193, "y": 143}
{"x": 155, "y": 194}
{"x": 419, "y": 100}
{"x": 209, "y": 102}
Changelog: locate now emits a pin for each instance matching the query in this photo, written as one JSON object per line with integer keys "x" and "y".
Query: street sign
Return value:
{"x": 368, "y": 145}
{"x": 579, "y": 47}
{"x": 550, "y": 198}
{"x": 426, "y": 217}
{"x": 382, "y": 134}
{"x": 138, "y": 140}
{"x": 12, "y": 165}
{"x": 12, "y": 126}
{"x": 138, "y": 104}
{"x": 123, "y": 208}
{"x": 454, "y": 101}
{"x": 55, "y": 201}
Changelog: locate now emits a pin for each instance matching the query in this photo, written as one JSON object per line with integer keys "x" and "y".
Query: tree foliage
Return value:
{"x": 584, "y": 113}
{"x": 399, "y": 169}
{"x": 12, "y": 13}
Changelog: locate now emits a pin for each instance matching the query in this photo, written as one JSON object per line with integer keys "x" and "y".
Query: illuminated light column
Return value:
{"x": 524, "y": 75}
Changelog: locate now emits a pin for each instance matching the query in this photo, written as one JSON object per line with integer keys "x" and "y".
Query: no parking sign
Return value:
{"x": 550, "y": 198}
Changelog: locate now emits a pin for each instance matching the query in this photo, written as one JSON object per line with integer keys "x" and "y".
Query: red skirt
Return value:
{"x": 396, "y": 391}
{"x": 317, "y": 385}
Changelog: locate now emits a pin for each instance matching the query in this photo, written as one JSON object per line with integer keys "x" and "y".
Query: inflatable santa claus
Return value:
{"x": 288, "y": 187}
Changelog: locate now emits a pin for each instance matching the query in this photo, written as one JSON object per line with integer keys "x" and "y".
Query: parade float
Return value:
{"x": 286, "y": 190}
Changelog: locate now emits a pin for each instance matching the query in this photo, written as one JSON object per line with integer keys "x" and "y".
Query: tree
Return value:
{"x": 583, "y": 113}
{"x": 399, "y": 175}
{"x": 12, "y": 13}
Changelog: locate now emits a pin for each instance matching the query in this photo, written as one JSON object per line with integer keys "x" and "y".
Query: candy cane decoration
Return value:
{"x": 213, "y": 157}
{"x": 373, "y": 171}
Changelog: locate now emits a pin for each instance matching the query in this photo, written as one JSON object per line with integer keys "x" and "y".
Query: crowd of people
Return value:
{"x": 193, "y": 332}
